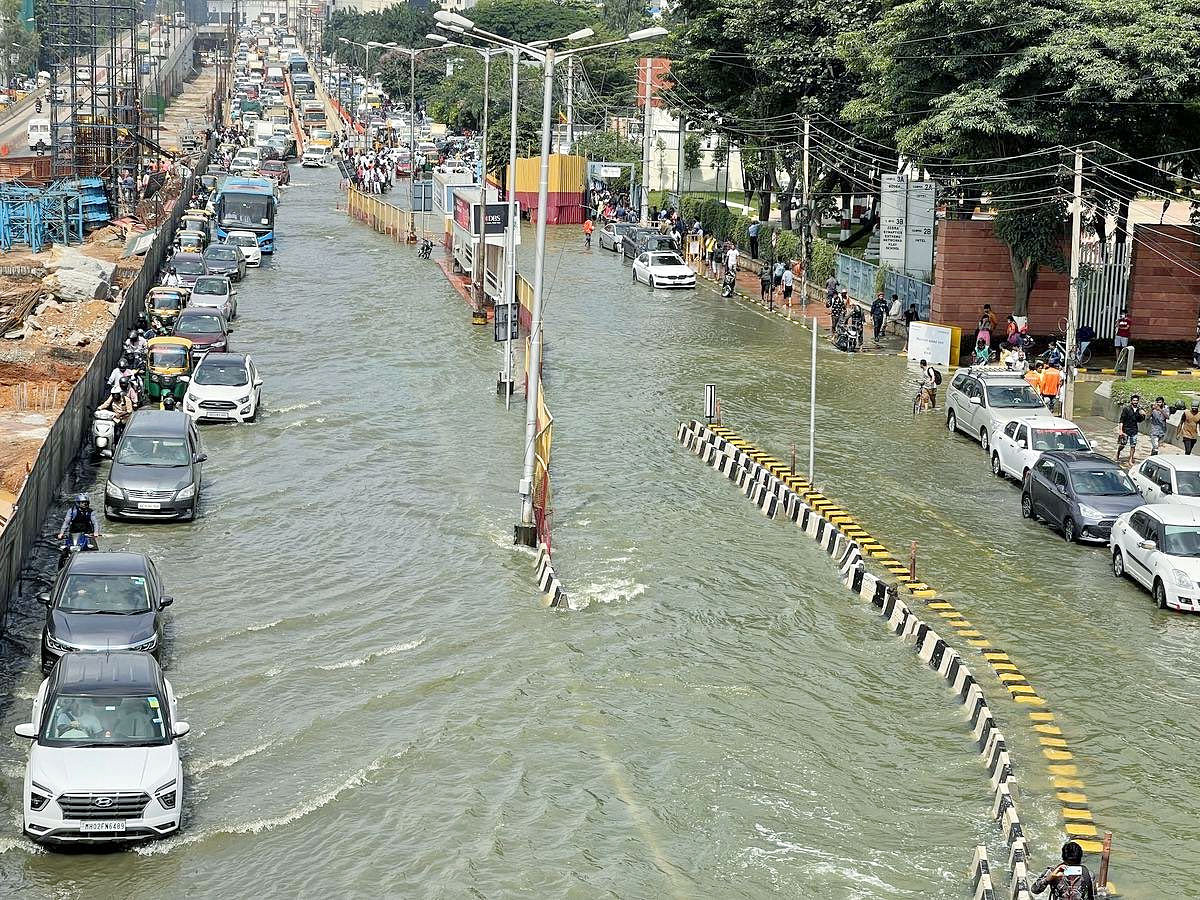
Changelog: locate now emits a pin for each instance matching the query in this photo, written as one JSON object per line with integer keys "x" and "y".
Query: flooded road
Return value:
{"x": 380, "y": 707}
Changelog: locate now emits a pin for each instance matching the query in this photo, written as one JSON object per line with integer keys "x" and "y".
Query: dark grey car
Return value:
{"x": 1080, "y": 493}
{"x": 225, "y": 259}
{"x": 104, "y": 601}
{"x": 156, "y": 468}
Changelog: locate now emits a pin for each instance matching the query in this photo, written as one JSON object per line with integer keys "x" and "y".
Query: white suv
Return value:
{"x": 980, "y": 400}
{"x": 104, "y": 765}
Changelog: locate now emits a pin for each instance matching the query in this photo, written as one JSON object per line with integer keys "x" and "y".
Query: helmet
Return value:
{"x": 122, "y": 363}
{"x": 124, "y": 382}
{"x": 148, "y": 333}
{"x": 83, "y": 500}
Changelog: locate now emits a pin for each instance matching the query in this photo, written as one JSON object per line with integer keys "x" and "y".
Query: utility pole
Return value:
{"x": 527, "y": 530}
{"x": 679, "y": 161}
{"x": 807, "y": 213}
{"x": 645, "y": 211}
{"x": 480, "y": 257}
{"x": 1073, "y": 288}
{"x": 412, "y": 123}
{"x": 570, "y": 102}
{"x": 510, "y": 237}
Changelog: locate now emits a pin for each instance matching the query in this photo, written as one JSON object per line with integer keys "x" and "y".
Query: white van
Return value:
{"x": 39, "y": 134}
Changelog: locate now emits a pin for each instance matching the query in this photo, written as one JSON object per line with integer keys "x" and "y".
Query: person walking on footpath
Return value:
{"x": 1124, "y": 328}
{"x": 837, "y": 308}
{"x": 1159, "y": 414}
{"x": 1070, "y": 880}
{"x": 588, "y": 228}
{"x": 752, "y": 233}
{"x": 765, "y": 291}
{"x": 1050, "y": 382}
{"x": 1127, "y": 432}
{"x": 893, "y": 314}
{"x": 786, "y": 281}
{"x": 831, "y": 288}
{"x": 1189, "y": 427}
{"x": 731, "y": 259}
{"x": 878, "y": 311}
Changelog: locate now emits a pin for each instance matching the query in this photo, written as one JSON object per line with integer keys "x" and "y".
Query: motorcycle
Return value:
{"x": 104, "y": 432}
{"x": 425, "y": 251}
{"x": 75, "y": 543}
{"x": 727, "y": 284}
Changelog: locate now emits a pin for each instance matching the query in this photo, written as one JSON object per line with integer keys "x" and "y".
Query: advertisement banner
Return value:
{"x": 931, "y": 343}
{"x": 495, "y": 218}
{"x": 462, "y": 213}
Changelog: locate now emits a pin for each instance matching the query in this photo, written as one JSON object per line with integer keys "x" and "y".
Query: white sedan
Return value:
{"x": 315, "y": 158}
{"x": 662, "y": 269}
{"x": 1168, "y": 479}
{"x": 248, "y": 241}
{"x": 1018, "y": 443}
{"x": 1158, "y": 546}
{"x": 225, "y": 387}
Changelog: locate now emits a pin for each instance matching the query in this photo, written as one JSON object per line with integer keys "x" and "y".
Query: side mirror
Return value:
{"x": 179, "y": 729}
{"x": 1166, "y": 488}
{"x": 185, "y": 377}
{"x": 976, "y": 401}
{"x": 1147, "y": 545}
{"x": 44, "y": 598}
{"x": 26, "y": 730}
{"x": 166, "y": 601}
{"x": 258, "y": 382}
{"x": 200, "y": 457}
{"x": 1023, "y": 444}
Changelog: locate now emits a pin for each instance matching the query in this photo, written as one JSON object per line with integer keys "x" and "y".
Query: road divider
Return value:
{"x": 775, "y": 490}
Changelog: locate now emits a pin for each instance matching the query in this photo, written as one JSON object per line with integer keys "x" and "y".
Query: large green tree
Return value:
{"x": 983, "y": 90}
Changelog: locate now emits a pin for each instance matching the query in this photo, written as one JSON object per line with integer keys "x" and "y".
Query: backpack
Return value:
{"x": 937, "y": 376}
{"x": 1076, "y": 887}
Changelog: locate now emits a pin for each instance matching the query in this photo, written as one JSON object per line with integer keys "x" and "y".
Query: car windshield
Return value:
{"x": 138, "y": 450}
{"x": 90, "y": 721}
{"x": 226, "y": 374}
{"x": 198, "y": 325}
{"x": 211, "y": 284}
{"x": 120, "y": 594}
{"x": 225, "y": 254}
{"x": 271, "y": 165}
{"x": 1102, "y": 482}
{"x": 168, "y": 356}
{"x": 1181, "y": 540}
{"x": 1012, "y": 396}
{"x": 188, "y": 264}
{"x": 665, "y": 259}
{"x": 1189, "y": 483}
{"x": 1059, "y": 439}
{"x": 243, "y": 240}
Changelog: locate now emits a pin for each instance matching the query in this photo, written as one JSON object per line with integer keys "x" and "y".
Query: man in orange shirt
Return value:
{"x": 588, "y": 228}
{"x": 1034, "y": 377}
{"x": 1050, "y": 383}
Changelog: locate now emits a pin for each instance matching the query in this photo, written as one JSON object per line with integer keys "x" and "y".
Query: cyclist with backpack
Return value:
{"x": 931, "y": 379}
{"x": 1070, "y": 880}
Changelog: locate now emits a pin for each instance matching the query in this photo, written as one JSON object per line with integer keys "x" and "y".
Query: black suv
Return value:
{"x": 104, "y": 601}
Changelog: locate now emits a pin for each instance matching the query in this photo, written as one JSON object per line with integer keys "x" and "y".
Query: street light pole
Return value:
{"x": 1068, "y": 406}
{"x": 570, "y": 102}
{"x": 645, "y": 206}
{"x": 514, "y": 226}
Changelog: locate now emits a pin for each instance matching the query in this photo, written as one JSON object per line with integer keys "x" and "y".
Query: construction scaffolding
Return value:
{"x": 39, "y": 217}
{"x": 96, "y": 61}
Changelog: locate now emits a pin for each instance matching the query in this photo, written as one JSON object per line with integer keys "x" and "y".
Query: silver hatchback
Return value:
{"x": 979, "y": 400}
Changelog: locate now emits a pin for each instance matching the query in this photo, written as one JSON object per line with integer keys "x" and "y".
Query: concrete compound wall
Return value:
{"x": 770, "y": 486}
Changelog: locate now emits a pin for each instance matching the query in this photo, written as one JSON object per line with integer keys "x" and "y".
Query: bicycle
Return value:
{"x": 922, "y": 401}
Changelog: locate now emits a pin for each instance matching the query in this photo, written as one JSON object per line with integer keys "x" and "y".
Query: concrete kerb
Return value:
{"x": 773, "y": 488}
{"x": 553, "y": 593}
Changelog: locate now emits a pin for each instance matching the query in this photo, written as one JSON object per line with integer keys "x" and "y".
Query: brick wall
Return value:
{"x": 1164, "y": 294}
{"x": 973, "y": 269}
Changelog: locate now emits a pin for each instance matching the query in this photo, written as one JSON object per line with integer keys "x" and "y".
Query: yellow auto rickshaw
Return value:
{"x": 191, "y": 222}
{"x": 168, "y": 367}
{"x": 192, "y": 241}
{"x": 164, "y": 303}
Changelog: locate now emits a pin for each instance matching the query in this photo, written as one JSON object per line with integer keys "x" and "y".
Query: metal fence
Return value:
{"x": 858, "y": 277}
{"x": 62, "y": 444}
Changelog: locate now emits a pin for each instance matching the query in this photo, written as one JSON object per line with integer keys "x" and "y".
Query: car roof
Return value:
{"x": 194, "y": 312}
{"x": 101, "y": 673}
{"x": 1078, "y": 459}
{"x": 1180, "y": 462}
{"x": 116, "y": 563}
{"x": 222, "y": 359}
{"x": 1173, "y": 513}
{"x": 1050, "y": 423}
{"x": 988, "y": 374}
{"x": 158, "y": 423}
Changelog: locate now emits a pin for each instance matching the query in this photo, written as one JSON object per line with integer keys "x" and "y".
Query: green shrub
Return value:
{"x": 689, "y": 208}
{"x": 716, "y": 219}
{"x": 741, "y": 226}
{"x": 823, "y": 261}
{"x": 788, "y": 247}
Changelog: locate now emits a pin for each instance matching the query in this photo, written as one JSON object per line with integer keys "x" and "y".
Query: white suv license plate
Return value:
{"x": 102, "y": 826}
{"x": 217, "y": 414}
{"x": 149, "y": 506}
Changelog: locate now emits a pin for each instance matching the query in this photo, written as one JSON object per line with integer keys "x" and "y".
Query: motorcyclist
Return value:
{"x": 80, "y": 519}
{"x": 122, "y": 370}
{"x": 168, "y": 401}
{"x": 135, "y": 344}
{"x": 121, "y": 400}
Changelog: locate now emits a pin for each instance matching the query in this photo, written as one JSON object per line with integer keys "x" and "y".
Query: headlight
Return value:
{"x": 242, "y": 400}
{"x": 166, "y": 795}
{"x": 1090, "y": 512}
{"x": 60, "y": 646}
{"x": 1181, "y": 578}
{"x": 146, "y": 645}
{"x": 111, "y": 490}
{"x": 39, "y": 796}
{"x": 187, "y": 493}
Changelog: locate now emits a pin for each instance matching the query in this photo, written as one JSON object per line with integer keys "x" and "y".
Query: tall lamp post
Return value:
{"x": 526, "y": 529}
{"x": 413, "y": 53}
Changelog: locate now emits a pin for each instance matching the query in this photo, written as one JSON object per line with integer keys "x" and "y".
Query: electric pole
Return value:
{"x": 570, "y": 102}
{"x": 1073, "y": 288}
{"x": 645, "y": 211}
{"x": 807, "y": 209}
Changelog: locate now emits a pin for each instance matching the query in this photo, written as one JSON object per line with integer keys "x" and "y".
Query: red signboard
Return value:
{"x": 462, "y": 213}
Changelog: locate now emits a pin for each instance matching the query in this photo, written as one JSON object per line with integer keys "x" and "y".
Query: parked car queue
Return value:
{"x": 104, "y": 764}
{"x": 655, "y": 261}
{"x": 1148, "y": 517}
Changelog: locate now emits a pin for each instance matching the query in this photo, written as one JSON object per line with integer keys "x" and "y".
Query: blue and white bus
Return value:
{"x": 247, "y": 204}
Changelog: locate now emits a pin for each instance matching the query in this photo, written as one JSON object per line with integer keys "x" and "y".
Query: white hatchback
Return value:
{"x": 248, "y": 241}
{"x": 1168, "y": 479}
{"x": 104, "y": 764}
{"x": 1158, "y": 546}
{"x": 1017, "y": 445}
{"x": 663, "y": 269}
